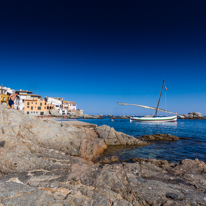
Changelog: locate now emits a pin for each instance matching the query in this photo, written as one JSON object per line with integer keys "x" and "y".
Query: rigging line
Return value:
{"x": 165, "y": 102}
{"x": 148, "y": 95}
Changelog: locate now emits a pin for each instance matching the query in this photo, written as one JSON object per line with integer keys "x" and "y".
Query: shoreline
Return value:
{"x": 53, "y": 162}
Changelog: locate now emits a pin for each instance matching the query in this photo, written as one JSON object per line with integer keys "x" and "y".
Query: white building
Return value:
{"x": 57, "y": 103}
{"x": 24, "y": 95}
{"x": 7, "y": 90}
{"x": 72, "y": 106}
{"x": 3, "y": 90}
{"x": 63, "y": 111}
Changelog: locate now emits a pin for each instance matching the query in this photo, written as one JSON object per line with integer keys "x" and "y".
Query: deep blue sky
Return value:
{"x": 97, "y": 53}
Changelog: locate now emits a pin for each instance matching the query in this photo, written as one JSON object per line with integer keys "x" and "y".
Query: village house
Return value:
{"x": 57, "y": 103}
{"x": 37, "y": 107}
{"x": 72, "y": 105}
{"x": 24, "y": 95}
{"x": 4, "y": 97}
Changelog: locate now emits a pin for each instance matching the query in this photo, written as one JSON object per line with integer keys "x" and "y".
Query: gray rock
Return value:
{"x": 159, "y": 137}
{"x": 111, "y": 137}
{"x": 18, "y": 194}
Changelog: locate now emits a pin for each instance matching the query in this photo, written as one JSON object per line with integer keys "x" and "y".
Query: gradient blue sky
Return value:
{"x": 98, "y": 53}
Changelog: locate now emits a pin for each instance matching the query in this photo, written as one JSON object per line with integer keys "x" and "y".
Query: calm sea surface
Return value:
{"x": 194, "y": 147}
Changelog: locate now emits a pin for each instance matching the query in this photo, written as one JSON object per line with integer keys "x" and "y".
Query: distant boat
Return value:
{"x": 155, "y": 118}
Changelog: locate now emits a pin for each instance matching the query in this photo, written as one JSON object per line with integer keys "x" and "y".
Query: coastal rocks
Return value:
{"x": 37, "y": 168}
{"x": 18, "y": 194}
{"x": 159, "y": 137}
{"x": 111, "y": 137}
{"x": 74, "y": 181}
{"x": 107, "y": 160}
{"x": 22, "y": 137}
{"x": 86, "y": 116}
{"x": 54, "y": 112}
{"x": 192, "y": 115}
{"x": 120, "y": 117}
{"x": 189, "y": 166}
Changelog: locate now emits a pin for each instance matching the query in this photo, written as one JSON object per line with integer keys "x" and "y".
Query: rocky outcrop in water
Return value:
{"x": 42, "y": 164}
{"x": 192, "y": 115}
{"x": 159, "y": 137}
{"x": 111, "y": 137}
{"x": 86, "y": 116}
{"x": 23, "y": 136}
{"x": 120, "y": 117}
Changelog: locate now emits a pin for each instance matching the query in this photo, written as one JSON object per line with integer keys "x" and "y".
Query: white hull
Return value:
{"x": 154, "y": 119}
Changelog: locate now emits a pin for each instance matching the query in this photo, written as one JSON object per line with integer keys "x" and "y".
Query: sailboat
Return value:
{"x": 154, "y": 118}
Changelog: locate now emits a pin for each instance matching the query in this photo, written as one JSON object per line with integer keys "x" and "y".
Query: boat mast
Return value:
{"x": 159, "y": 98}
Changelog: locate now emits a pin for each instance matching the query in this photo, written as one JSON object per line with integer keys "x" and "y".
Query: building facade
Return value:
{"x": 54, "y": 101}
{"x": 19, "y": 102}
{"x": 4, "y": 97}
{"x": 37, "y": 107}
{"x": 72, "y": 105}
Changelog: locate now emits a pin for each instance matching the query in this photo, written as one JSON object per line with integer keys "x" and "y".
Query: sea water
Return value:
{"x": 193, "y": 144}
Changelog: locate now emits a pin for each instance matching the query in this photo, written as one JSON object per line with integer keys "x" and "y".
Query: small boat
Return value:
{"x": 155, "y": 118}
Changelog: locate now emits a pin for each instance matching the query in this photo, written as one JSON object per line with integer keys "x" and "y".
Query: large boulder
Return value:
{"x": 22, "y": 136}
{"x": 192, "y": 115}
{"x": 111, "y": 137}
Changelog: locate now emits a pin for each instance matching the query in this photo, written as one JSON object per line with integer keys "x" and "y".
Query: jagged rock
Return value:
{"x": 107, "y": 160}
{"x": 111, "y": 137}
{"x": 18, "y": 194}
{"x": 74, "y": 181}
{"x": 159, "y": 137}
{"x": 192, "y": 115}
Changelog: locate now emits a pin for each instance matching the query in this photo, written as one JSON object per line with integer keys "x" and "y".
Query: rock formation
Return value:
{"x": 49, "y": 163}
{"x": 159, "y": 137}
{"x": 192, "y": 115}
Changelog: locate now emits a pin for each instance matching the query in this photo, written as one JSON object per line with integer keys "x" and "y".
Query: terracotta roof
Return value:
{"x": 72, "y": 103}
{"x": 36, "y": 95}
{"x": 24, "y": 91}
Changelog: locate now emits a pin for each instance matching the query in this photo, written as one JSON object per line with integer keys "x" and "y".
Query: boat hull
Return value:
{"x": 154, "y": 119}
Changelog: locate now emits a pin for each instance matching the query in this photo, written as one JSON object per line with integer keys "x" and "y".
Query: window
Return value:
{"x": 27, "y": 104}
{"x": 39, "y": 108}
{"x": 22, "y": 100}
{"x": 27, "y": 112}
{"x": 31, "y": 102}
{"x": 40, "y": 104}
{"x": 4, "y": 98}
{"x": 36, "y": 102}
{"x": 31, "y": 107}
{"x": 41, "y": 113}
{"x": 44, "y": 107}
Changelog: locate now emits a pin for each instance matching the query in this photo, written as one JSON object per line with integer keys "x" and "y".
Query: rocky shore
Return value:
{"x": 44, "y": 162}
{"x": 192, "y": 115}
